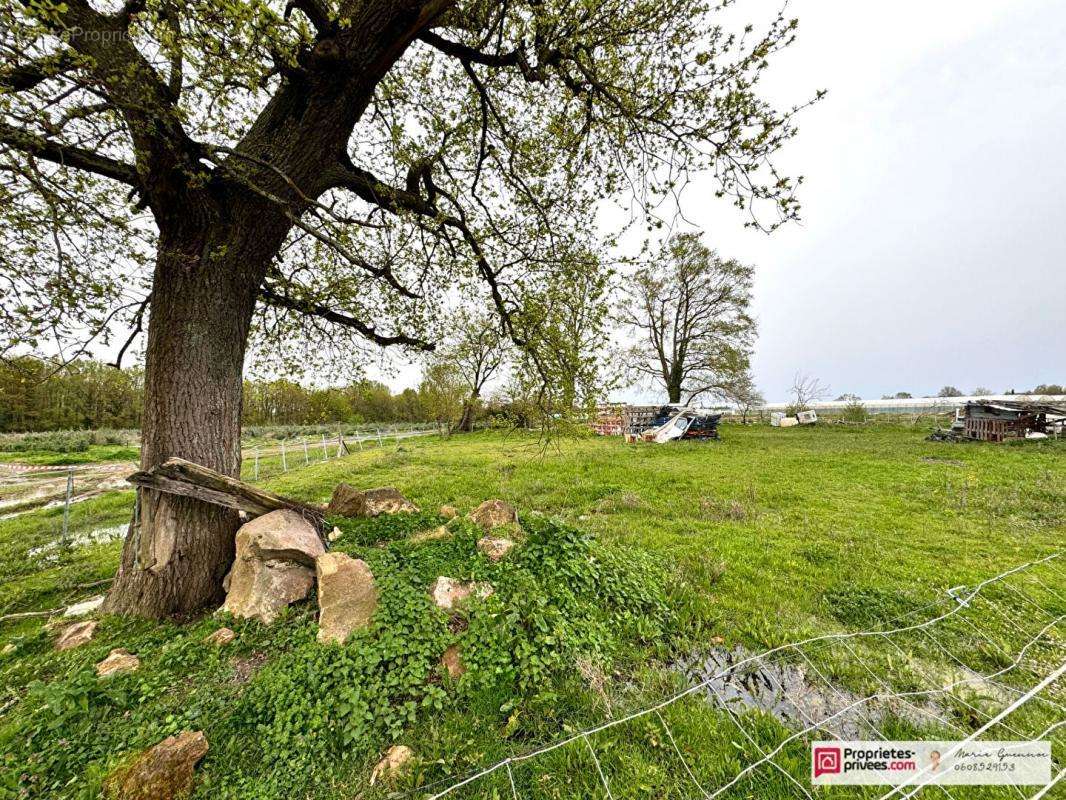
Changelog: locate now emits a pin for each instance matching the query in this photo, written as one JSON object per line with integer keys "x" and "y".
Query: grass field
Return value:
{"x": 767, "y": 537}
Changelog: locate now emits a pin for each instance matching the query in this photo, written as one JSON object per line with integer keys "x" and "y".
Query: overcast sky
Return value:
{"x": 933, "y": 244}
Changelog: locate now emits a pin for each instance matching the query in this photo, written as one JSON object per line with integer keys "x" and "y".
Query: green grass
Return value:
{"x": 96, "y": 453}
{"x": 766, "y": 537}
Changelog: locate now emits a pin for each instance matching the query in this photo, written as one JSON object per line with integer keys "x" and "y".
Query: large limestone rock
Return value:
{"x": 163, "y": 772}
{"x": 118, "y": 660}
{"x": 495, "y": 547}
{"x": 347, "y": 501}
{"x": 275, "y": 553}
{"x": 76, "y": 635}
{"x": 347, "y": 596}
{"x": 281, "y": 535}
{"x": 494, "y": 513}
{"x": 395, "y": 763}
{"x": 450, "y": 594}
{"x": 260, "y": 589}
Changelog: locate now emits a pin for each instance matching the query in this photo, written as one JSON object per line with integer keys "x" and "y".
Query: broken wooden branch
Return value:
{"x": 181, "y": 477}
{"x": 30, "y": 614}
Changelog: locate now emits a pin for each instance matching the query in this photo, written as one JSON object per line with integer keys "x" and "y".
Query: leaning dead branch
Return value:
{"x": 181, "y": 477}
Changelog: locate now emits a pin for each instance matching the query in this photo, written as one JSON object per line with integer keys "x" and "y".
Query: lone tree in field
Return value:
{"x": 477, "y": 353}
{"x": 805, "y": 390}
{"x": 291, "y": 179}
{"x": 689, "y": 316}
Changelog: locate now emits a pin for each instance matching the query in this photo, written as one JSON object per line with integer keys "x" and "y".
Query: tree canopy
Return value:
{"x": 319, "y": 177}
{"x": 404, "y": 146}
{"x": 688, "y": 313}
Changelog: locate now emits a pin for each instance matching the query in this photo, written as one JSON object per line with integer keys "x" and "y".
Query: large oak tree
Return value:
{"x": 688, "y": 314}
{"x": 324, "y": 175}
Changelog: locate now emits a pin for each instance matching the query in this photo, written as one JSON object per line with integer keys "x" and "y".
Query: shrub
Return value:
{"x": 854, "y": 411}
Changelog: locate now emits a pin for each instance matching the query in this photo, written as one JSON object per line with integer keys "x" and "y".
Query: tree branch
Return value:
{"x": 68, "y": 155}
{"x": 27, "y": 76}
{"x": 271, "y": 296}
{"x": 167, "y": 155}
{"x": 137, "y": 328}
{"x": 316, "y": 11}
{"x": 466, "y": 53}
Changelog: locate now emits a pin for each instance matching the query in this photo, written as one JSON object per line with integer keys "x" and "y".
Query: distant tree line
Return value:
{"x": 36, "y": 396}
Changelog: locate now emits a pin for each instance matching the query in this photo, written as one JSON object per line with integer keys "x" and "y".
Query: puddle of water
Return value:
{"x": 97, "y": 536}
{"x": 794, "y": 694}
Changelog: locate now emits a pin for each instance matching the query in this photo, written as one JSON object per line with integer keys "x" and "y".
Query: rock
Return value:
{"x": 281, "y": 535}
{"x": 335, "y": 534}
{"x": 452, "y": 661}
{"x": 347, "y": 501}
{"x": 495, "y": 548}
{"x": 9, "y": 648}
{"x": 433, "y": 534}
{"x": 347, "y": 596}
{"x": 260, "y": 589}
{"x": 449, "y": 512}
{"x": 163, "y": 772}
{"x": 76, "y": 635}
{"x": 493, "y": 513}
{"x": 85, "y": 607}
{"x": 395, "y": 763}
{"x": 448, "y": 593}
{"x": 387, "y": 501}
{"x": 275, "y": 553}
{"x": 220, "y": 638}
{"x": 118, "y": 660}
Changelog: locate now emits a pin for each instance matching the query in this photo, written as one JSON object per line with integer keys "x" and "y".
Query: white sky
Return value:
{"x": 933, "y": 244}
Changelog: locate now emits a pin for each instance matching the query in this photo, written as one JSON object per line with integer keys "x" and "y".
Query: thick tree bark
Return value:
{"x": 217, "y": 239}
{"x": 207, "y": 275}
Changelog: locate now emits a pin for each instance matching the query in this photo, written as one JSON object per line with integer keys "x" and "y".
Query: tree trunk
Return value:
{"x": 207, "y": 277}
{"x": 673, "y": 378}
{"x": 466, "y": 422}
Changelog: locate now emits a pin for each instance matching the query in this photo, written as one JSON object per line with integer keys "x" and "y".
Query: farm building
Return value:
{"x": 1004, "y": 419}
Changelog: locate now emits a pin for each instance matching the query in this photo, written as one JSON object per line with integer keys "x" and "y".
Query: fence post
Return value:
{"x": 66, "y": 506}
{"x": 379, "y": 438}
{"x": 325, "y": 451}
{"x": 359, "y": 441}
{"x": 257, "y": 462}
{"x": 306, "y": 459}
{"x": 340, "y": 446}
{"x": 284, "y": 463}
